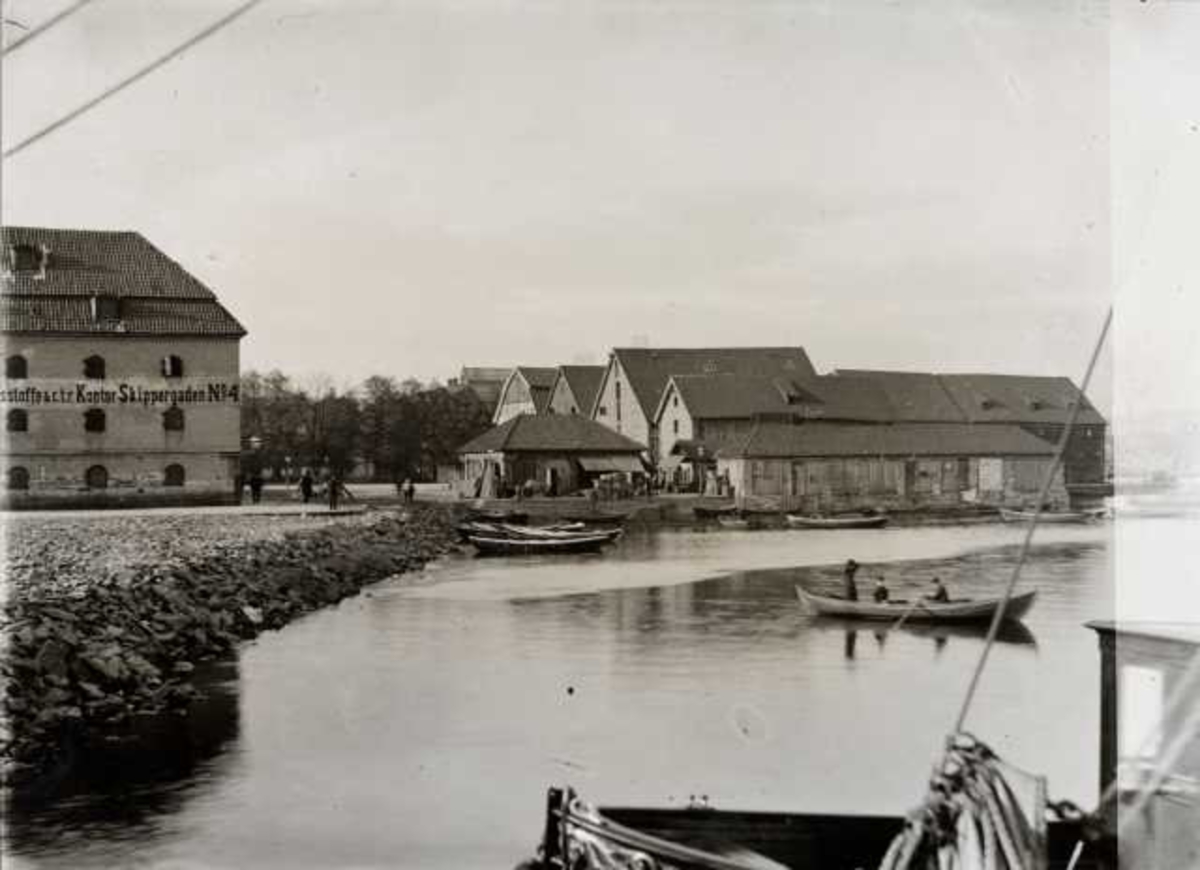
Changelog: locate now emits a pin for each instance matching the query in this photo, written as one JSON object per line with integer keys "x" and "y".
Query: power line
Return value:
{"x": 46, "y": 25}
{"x": 129, "y": 80}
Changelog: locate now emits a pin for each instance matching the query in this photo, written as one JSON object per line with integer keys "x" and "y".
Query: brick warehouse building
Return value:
{"x": 121, "y": 375}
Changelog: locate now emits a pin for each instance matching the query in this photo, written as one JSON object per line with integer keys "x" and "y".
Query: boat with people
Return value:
{"x": 838, "y": 521}
{"x": 920, "y": 610}
{"x": 1014, "y": 515}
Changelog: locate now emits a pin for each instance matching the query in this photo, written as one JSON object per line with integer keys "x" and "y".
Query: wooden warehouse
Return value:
{"x": 825, "y": 467}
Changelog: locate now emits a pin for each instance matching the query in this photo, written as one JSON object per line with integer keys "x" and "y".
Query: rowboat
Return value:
{"x": 856, "y": 521}
{"x": 600, "y": 518}
{"x": 964, "y": 610}
{"x": 1010, "y": 515}
{"x": 584, "y": 542}
{"x": 1010, "y": 633}
{"x": 712, "y": 513}
{"x": 580, "y": 836}
{"x": 734, "y": 522}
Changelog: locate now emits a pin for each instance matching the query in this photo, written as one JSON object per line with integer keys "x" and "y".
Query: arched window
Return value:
{"x": 172, "y": 366}
{"x": 173, "y": 419}
{"x": 18, "y": 478}
{"x": 93, "y": 367}
{"x": 18, "y": 420}
{"x": 94, "y": 420}
{"x": 96, "y": 477}
{"x": 173, "y": 475}
{"x": 16, "y": 368}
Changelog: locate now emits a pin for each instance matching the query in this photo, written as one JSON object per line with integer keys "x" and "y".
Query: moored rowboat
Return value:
{"x": 965, "y": 610}
{"x": 861, "y": 521}
{"x": 1009, "y": 515}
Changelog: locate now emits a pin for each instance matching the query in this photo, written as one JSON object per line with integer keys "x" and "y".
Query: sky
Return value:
{"x": 408, "y": 188}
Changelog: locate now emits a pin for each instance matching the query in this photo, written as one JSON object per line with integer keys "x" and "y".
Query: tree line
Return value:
{"x": 382, "y": 429}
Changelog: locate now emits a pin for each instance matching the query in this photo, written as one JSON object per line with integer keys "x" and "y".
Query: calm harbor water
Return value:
{"x": 419, "y": 724}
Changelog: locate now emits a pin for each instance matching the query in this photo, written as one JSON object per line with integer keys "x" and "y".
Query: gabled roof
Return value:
{"x": 540, "y": 382}
{"x": 551, "y": 433}
{"x": 1018, "y": 399}
{"x": 920, "y": 397}
{"x": 915, "y": 397}
{"x": 158, "y": 296}
{"x": 782, "y": 441}
{"x": 583, "y": 382}
{"x": 740, "y": 397}
{"x": 649, "y": 369}
{"x": 485, "y": 382}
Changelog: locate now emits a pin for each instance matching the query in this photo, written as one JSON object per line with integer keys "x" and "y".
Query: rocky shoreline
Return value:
{"x": 85, "y": 656}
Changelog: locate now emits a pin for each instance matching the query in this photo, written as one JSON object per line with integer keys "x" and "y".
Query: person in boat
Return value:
{"x": 881, "y": 591}
{"x": 940, "y": 595}
{"x": 849, "y": 589}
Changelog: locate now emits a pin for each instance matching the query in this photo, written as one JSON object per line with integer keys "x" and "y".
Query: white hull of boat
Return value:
{"x": 863, "y": 522}
{"x": 925, "y": 611}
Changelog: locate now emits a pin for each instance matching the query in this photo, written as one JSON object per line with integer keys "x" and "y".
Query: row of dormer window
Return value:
{"x": 16, "y": 367}
{"x": 94, "y": 420}
{"x": 96, "y": 477}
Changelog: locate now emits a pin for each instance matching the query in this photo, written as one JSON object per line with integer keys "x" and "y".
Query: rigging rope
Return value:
{"x": 998, "y": 617}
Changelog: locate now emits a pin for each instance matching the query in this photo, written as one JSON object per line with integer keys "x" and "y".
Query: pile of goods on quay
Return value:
{"x": 99, "y": 632}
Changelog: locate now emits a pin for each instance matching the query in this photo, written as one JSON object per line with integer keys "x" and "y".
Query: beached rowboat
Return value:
{"x": 964, "y": 610}
{"x": 576, "y": 543}
{"x": 857, "y": 521}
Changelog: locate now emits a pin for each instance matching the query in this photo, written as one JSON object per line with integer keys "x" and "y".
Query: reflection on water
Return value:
{"x": 127, "y": 787}
{"x": 419, "y": 726}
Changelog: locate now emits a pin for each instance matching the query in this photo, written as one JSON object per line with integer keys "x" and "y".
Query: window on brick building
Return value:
{"x": 16, "y": 368}
{"x": 173, "y": 419}
{"x": 172, "y": 366}
{"x": 18, "y": 420}
{"x": 18, "y": 478}
{"x": 94, "y": 420}
{"x": 173, "y": 475}
{"x": 94, "y": 368}
{"x": 96, "y": 477}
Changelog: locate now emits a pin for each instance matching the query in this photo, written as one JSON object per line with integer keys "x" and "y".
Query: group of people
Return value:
{"x": 881, "y": 594}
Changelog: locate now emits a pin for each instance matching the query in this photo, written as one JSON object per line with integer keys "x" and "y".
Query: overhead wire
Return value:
{"x": 50, "y": 22}
{"x": 115, "y": 89}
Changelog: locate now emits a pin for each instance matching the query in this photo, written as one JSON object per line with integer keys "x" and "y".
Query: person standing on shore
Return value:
{"x": 306, "y": 486}
{"x": 256, "y": 487}
{"x": 335, "y": 490}
{"x": 410, "y": 491}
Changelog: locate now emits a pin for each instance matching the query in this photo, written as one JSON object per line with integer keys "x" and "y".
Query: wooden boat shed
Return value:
{"x": 824, "y": 467}
{"x": 561, "y": 453}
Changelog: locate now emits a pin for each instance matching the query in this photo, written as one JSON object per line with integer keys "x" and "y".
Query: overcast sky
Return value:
{"x": 406, "y": 188}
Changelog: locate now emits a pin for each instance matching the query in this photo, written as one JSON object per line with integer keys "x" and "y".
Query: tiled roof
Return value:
{"x": 486, "y": 383}
{"x": 918, "y": 397}
{"x": 740, "y": 397}
{"x": 781, "y": 440}
{"x": 915, "y": 397}
{"x": 584, "y": 382}
{"x": 1017, "y": 399}
{"x": 649, "y": 369}
{"x": 159, "y": 296}
{"x": 94, "y": 262}
{"x": 551, "y": 433}
{"x": 73, "y": 314}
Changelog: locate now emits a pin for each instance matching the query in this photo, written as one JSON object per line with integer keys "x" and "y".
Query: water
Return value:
{"x": 419, "y": 725}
